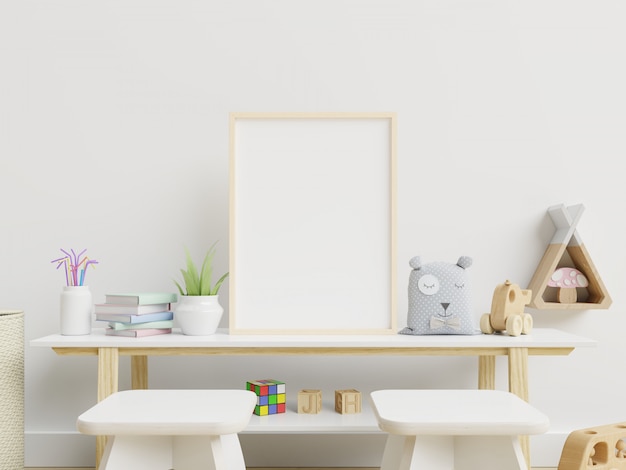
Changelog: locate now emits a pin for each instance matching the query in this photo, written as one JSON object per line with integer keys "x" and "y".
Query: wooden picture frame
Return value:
{"x": 312, "y": 223}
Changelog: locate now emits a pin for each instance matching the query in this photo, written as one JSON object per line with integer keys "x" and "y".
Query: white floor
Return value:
{"x": 256, "y": 468}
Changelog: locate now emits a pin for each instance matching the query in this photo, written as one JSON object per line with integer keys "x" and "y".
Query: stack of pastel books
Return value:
{"x": 137, "y": 314}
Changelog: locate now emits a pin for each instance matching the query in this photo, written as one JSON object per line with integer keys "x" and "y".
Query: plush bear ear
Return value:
{"x": 415, "y": 262}
{"x": 464, "y": 262}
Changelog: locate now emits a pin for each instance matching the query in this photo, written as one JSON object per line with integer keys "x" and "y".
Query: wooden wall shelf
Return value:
{"x": 566, "y": 249}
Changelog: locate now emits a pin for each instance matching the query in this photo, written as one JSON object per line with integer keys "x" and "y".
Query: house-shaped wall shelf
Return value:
{"x": 566, "y": 250}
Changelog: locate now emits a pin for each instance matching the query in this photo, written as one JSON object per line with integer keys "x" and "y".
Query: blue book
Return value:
{"x": 130, "y": 318}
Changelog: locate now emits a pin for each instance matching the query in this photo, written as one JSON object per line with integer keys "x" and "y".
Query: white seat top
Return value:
{"x": 456, "y": 412}
{"x": 169, "y": 412}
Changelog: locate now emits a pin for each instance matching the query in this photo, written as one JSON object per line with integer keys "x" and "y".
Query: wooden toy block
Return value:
{"x": 309, "y": 401}
{"x": 597, "y": 448}
{"x": 507, "y": 311}
{"x": 347, "y": 401}
{"x": 271, "y": 396}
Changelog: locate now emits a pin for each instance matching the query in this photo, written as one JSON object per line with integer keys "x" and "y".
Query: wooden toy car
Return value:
{"x": 507, "y": 311}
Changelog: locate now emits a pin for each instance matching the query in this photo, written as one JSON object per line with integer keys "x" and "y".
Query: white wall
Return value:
{"x": 114, "y": 138}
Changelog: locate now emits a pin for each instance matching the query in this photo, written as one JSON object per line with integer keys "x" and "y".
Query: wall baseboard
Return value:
{"x": 72, "y": 449}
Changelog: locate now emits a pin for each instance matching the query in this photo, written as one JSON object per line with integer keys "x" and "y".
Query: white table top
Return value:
{"x": 456, "y": 412}
{"x": 169, "y": 412}
{"x": 539, "y": 338}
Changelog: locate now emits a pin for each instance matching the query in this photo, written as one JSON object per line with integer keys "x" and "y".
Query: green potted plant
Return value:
{"x": 198, "y": 311}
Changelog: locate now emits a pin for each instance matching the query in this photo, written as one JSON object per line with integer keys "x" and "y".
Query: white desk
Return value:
{"x": 108, "y": 349}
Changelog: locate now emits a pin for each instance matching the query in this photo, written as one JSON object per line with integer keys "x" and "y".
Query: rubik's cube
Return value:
{"x": 270, "y": 396}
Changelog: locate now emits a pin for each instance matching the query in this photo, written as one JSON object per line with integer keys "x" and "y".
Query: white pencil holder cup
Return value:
{"x": 76, "y": 310}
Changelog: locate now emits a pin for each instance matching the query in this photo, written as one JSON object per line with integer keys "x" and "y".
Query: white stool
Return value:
{"x": 171, "y": 429}
{"x": 454, "y": 429}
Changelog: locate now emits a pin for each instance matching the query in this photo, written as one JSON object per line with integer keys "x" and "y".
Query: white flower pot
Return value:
{"x": 198, "y": 315}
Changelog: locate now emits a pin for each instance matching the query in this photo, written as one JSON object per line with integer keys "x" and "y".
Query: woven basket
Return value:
{"x": 11, "y": 390}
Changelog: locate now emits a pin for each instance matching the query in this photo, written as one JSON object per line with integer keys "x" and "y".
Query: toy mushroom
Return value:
{"x": 566, "y": 280}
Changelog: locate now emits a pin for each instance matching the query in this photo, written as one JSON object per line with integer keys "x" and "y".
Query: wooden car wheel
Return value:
{"x": 485, "y": 324}
{"x": 514, "y": 325}
{"x": 528, "y": 324}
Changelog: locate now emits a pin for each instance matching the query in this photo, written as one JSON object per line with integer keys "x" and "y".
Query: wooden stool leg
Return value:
{"x": 418, "y": 453}
{"x": 488, "y": 453}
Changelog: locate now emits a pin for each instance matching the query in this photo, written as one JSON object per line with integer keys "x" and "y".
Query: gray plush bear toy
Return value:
{"x": 439, "y": 299}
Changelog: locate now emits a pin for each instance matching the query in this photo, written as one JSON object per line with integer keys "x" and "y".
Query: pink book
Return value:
{"x": 138, "y": 333}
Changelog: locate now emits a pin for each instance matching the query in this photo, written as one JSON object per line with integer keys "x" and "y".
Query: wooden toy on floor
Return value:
{"x": 271, "y": 396}
{"x": 347, "y": 401}
{"x": 598, "y": 448}
{"x": 507, "y": 311}
{"x": 309, "y": 401}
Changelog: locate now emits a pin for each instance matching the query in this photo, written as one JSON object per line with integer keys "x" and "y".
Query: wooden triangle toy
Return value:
{"x": 566, "y": 278}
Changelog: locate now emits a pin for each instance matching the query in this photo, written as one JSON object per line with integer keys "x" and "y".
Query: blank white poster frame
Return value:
{"x": 312, "y": 223}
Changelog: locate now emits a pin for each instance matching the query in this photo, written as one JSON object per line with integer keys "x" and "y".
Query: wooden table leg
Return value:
{"x": 108, "y": 370}
{"x": 518, "y": 372}
{"x": 518, "y": 384}
{"x": 139, "y": 372}
{"x": 486, "y": 372}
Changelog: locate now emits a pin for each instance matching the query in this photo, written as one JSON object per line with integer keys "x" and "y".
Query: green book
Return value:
{"x": 141, "y": 326}
{"x": 142, "y": 298}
